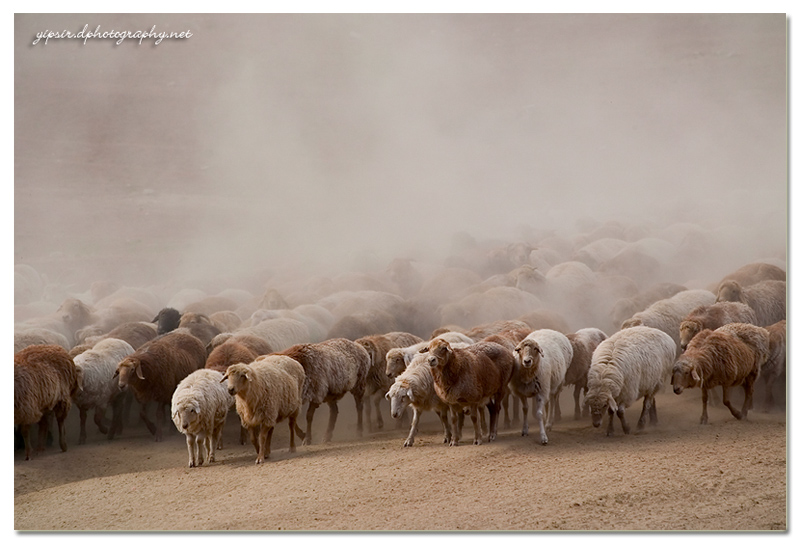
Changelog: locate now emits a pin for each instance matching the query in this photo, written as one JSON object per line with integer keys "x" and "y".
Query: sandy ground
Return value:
{"x": 727, "y": 475}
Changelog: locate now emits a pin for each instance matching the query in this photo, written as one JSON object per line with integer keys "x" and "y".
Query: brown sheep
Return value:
{"x": 775, "y": 365}
{"x": 729, "y": 356}
{"x": 378, "y": 382}
{"x": 256, "y": 344}
{"x": 45, "y": 379}
{"x": 155, "y": 370}
{"x": 471, "y": 377}
{"x": 753, "y": 273}
{"x": 333, "y": 368}
{"x": 480, "y": 332}
{"x": 767, "y": 299}
{"x": 545, "y": 319}
{"x": 133, "y": 333}
{"x": 712, "y": 317}
{"x": 584, "y": 341}
{"x": 509, "y": 339}
{"x": 228, "y": 353}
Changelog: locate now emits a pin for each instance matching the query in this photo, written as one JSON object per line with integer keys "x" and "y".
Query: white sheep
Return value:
{"x": 267, "y": 391}
{"x": 631, "y": 364}
{"x": 199, "y": 407}
{"x": 99, "y": 365}
{"x": 397, "y": 359}
{"x": 541, "y": 362}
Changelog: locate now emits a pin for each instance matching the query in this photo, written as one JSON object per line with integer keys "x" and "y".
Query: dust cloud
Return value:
{"x": 338, "y": 142}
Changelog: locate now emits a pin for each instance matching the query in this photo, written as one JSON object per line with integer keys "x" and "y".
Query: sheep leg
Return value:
{"x": 484, "y": 428}
{"x": 645, "y": 409}
{"x": 576, "y": 396}
{"x": 494, "y": 417}
{"x": 704, "y": 416}
{"x": 524, "y": 402}
{"x": 727, "y": 402}
{"x": 99, "y": 415}
{"x": 540, "y": 415}
{"x": 585, "y": 411}
{"x": 506, "y": 402}
{"x": 242, "y": 435}
{"x": 160, "y": 408}
{"x": 117, "y": 407}
{"x": 254, "y": 438}
{"x": 368, "y": 411}
{"x": 769, "y": 399}
{"x": 312, "y": 408}
{"x": 359, "y": 418}
{"x": 653, "y": 413}
{"x": 621, "y": 414}
{"x": 292, "y": 425}
{"x": 458, "y": 419}
{"x": 749, "y": 387}
{"x": 61, "y": 411}
{"x": 556, "y": 408}
{"x": 473, "y": 415}
{"x": 444, "y": 416}
{"x": 82, "y": 435}
{"x": 515, "y": 414}
{"x": 147, "y": 422}
{"x": 44, "y": 424}
{"x": 413, "y": 431}
{"x": 191, "y": 442}
{"x": 332, "y": 415}
{"x": 264, "y": 442}
{"x": 610, "y": 428}
{"x": 25, "y": 430}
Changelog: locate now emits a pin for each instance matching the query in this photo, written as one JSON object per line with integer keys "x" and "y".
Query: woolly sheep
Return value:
{"x": 482, "y": 331}
{"x": 199, "y": 406}
{"x": 471, "y": 377}
{"x": 332, "y": 368}
{"x": 98, "y": 366}
{"x": 628, "y": 306}
{"x": 228, "y": 353}
{"x": 631, "y": 364}
{"x": 267, "y": 391}
{"x": 729, "y": 356}
{"x": 279, "y": 333}
{"x": 752, "y": 273}
{"x": 45, "y": 379}
{"x": 540, "y": 364}
{"x": 168, "y": 319}
{"x": 775, "y": 365}
{"x": 712, "y": 317}
{"x": 377, "y": 382}
{"x": 155, "y": 370}
{"x": 256, "y": 344}
{"x": 584, "y": 342}
{"x": 133, "y": 333}
{"x": 767, "y": 299}
{"x": 39, "y": 336}
{"x": 397, "y": 359}
{"x": 667, "y": 314}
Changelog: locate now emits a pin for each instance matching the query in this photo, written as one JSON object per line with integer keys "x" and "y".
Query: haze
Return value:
{"x": 338, "y": 142}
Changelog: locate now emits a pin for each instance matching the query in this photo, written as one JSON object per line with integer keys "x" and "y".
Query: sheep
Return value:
{"x": 630, "y": 364}
{"x": 766, "y": 298}
{"x": 470, "y": 377}
{"x": 120, "y": 311}
{"x": 267, "y": 391}
{"x": 133, "y": 333}
{"x": 256, "y": 344}
{"x": 332, "y": 368}
{"x": 509, "y": 339}
{"x": 397, "y": 359}
{"x": 363, "y": 324}
{"x": 626, "y": 307}
{"x": 497, "y": 303}
{"x": 377, "y": 382}
{"x": 584, "y": 342}
{"x": 775, "y": 365}
{"x": 98, "y": 366}
{"x": 45, "y": 380}
{"x": 228, "y": 353}
{"x": 204, "y": 332}
{"x": 199, "y": 406}
{"x": 752, "y": 273}
{"x": 279, "y": 333}
{"x": 167, "y": 319}
{"x": 729, "y": 356}
{"x": 71, "y": 316}
{"x": 225, "y": 320}
{"x": 712, "y": 317}
{"x": 39, "y": 336}
{"x": 540, "y": 364}
{"x": 155, "y": 369}
{"x": 545, "y": 319}
{"x": 480, "y": 332}
{"x": 667, "y": 314}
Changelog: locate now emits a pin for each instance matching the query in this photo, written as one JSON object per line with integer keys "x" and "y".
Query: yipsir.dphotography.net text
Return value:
{"x": 118, "y": 36}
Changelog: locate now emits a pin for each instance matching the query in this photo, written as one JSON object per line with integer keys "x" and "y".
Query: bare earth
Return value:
{"x": 728, "y": 475}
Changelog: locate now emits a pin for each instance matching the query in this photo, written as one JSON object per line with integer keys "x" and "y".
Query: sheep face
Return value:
{"x": 125, "y": 371}
{"x": 438, "y": 353}
{"x": 400, "y": 397}
{"x": 684, "y": 375}
{"x": 395, "y": 363}
{"x": 237, "y": 377}
{"x": 689, "y": 329}
{"x": 598, "y": 406}
{"x": 729, "y": 291}
{"x": 185, "y": 415}
{"x": 528, "y": 354}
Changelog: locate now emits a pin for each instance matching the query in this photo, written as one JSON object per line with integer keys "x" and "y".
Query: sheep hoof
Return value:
{"x": 453, "y": 443}
{"x": 524, "y": 433}
{"x": 191, "y": 464}
{"x": 408, "y": 443}
{"x": 544, "y": 441}
{"x": 477, "y": 442}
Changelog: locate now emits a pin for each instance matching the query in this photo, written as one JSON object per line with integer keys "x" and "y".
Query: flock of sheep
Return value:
{"x": 479, "y": 334}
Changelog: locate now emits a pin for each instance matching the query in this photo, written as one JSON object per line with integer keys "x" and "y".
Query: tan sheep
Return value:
{"x": 729, "y": 356}
{"x": 775, "y": 366}
{"x": 267, "y": 391}
{"x": 767, "y": 299}
{"x": 712, "y": 317}
{"x": 584, "y": 342}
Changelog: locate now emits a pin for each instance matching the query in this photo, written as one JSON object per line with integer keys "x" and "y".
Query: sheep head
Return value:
{"x": 729, "y": 291}
{"x": 185, "y": 413}
{"x": 399, "y": 397}
{"x": 395, "y": 363}
{"x": 599, "y": 403}
{"x": 238, "y": 377}
{"x": 684, "y": 375}
{"x": 194, "y": 318}
{"x": 74, "y": 312}
{"x": 631, "y": 322}
{"x": 126, "y": 369}
{"x": 528, "y": 353}
{"x": 689, "y": 328}
{"x": 439, "y": 353}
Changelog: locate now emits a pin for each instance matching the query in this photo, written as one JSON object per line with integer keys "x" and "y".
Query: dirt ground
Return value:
{"x": 725, "y": 476}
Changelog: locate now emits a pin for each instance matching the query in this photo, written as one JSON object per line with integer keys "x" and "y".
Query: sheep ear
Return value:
{"x": 695, "y": 376}
{"x": 423, "y": 350}
{"x": 139, "y": 371}
{"x": 410, "y": 396}
{"x": 612, "y": 405}
{"x": 387, "y": 397}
